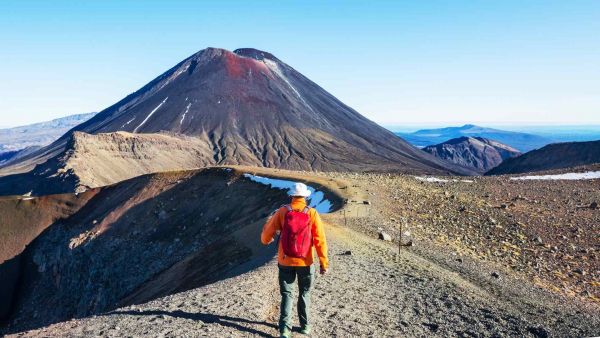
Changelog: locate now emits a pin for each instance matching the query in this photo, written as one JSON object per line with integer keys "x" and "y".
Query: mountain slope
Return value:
{"x": 129, "y": 233}
{"x": 552, "y": 156}
{"x": 38, "y": 134}
{"x": 250, "y": 107}
{"x": 478, "y": 153}
{"x": 520, "y": 141}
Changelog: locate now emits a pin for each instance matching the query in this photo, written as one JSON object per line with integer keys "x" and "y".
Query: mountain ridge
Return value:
{"x": 39, "y": 134}
{"x": 478, "y": 153}
{"x": 552, "y": 156}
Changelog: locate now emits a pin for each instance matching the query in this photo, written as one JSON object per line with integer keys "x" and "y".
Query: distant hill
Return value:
{"x": 478, "y": 153}
{"x": 552, "y": 156}
{"x": 521, "y": 141}
{"x": 38, "y": 134}
{"x": 13, "y": 155}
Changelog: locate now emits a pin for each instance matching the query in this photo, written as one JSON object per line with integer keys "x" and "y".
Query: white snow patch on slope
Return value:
{"x": 127, "y": 123}
{"x": 149, "y": 115}
{"x": 435, "y": 179}
{"x": 315, "y": 200}
{"x": 187, "y": 109}
{"x": 430, "y": 179}
{"x": 273, "y": 66}
{"x": 590, "y": 175}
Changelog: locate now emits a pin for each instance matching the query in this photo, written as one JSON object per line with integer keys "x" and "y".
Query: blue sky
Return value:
{"x": 397, "y": 62}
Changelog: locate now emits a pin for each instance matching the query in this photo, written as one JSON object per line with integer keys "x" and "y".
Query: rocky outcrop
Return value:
{"x": 22, "y": 219}
{"x": 478, "y": 153}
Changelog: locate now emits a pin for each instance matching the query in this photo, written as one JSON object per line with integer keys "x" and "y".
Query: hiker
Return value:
{"x": 300, "y": 228}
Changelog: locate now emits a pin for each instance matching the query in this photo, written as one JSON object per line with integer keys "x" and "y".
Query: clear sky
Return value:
{"x": 397, "y": 62}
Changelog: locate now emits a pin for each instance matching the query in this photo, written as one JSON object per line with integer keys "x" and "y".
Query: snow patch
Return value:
{"x": 187, "y": 109}
{"x": 127, "y": 123}
{"x": 274, "y": 67}
{"x": 430, "y": 179}
{"x": 149, "y": 115}
{"x": 435, "y": 179}
{"x": 590, "y": 175}
{"x": 316, "y": 199}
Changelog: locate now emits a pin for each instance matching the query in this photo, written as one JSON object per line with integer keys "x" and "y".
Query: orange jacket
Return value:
{"x": 275, "y": 224}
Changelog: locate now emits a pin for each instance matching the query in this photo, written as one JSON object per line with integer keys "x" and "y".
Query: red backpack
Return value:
{"x": 296, "y": 237}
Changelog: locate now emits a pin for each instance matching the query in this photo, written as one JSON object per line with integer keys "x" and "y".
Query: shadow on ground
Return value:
{"x": 240, "y": 324}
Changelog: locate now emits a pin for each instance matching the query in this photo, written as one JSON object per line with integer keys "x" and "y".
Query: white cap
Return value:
{"x": 300, "y": 190}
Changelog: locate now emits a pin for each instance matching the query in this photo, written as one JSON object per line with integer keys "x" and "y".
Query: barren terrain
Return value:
{"x": 457, "y": 280}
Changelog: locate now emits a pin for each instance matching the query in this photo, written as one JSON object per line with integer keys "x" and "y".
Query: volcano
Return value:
{"x": 246, "y": 107}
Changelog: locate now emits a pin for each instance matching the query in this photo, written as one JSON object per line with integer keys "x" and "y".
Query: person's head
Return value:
{"x": 299, "y": 190}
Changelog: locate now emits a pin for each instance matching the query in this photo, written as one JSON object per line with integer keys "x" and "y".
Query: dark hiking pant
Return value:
{"x": 287, "y": 278}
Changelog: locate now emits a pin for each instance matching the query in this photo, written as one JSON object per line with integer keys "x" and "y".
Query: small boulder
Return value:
{"x": 594, "y": 205}
{"x": 384, "y": 236}
{"x": 495, "y": 274}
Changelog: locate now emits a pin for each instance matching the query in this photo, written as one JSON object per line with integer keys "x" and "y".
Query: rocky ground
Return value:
{"x": 543, "y": 231}
{"x": 456, "y": 280}
{"x": 370, "y": 292}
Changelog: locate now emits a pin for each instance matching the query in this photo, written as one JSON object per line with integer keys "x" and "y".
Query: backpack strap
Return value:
{"x": 306, "y": 209}
{"x": 288, "y": 207}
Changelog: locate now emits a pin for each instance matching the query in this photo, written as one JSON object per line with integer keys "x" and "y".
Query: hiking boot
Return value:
{"x": 285, "y": 333}
{"x": 305, "y": 329}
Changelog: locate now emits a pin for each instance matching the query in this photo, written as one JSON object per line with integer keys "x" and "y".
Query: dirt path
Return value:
{"x": 370, "y": 291}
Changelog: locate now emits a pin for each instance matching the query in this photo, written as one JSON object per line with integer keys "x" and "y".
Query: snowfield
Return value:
{"x": 435, "y": 179}
{"x": 590, "y": 175}
{"x": 315, "y": 200}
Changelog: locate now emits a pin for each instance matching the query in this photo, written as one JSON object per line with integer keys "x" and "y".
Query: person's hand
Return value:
{"x": 323, "y": 270}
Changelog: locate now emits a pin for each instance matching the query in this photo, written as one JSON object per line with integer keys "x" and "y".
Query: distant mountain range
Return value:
{"x": 521, "y": 141}
{"x": 478, "y": 153}
{"x": 552, "y": 156}
{"x": 38, "y": 134}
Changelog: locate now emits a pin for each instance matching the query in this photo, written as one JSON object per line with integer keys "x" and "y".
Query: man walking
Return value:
{"x": 300, "y": 229}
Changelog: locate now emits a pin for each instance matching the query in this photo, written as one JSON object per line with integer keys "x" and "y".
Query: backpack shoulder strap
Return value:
{"x": 288, "y": 207}
{"x": 306, "y": 209}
